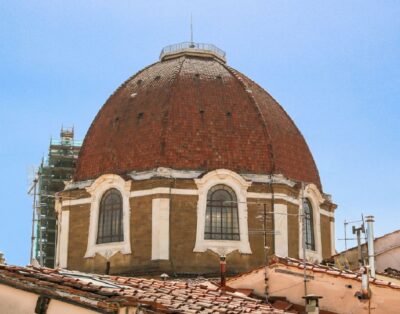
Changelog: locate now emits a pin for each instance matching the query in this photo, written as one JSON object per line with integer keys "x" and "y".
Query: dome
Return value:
{"x": 191, "y": 111}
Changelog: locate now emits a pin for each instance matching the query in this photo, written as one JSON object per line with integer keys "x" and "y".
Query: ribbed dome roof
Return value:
{"x": 193, "y": 112}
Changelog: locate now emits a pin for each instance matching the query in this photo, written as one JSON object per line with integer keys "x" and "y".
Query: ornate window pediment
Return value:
{"x": 311, "y": 227}
{"x": 223, "y": 227}
{"x": 109, "y": 227}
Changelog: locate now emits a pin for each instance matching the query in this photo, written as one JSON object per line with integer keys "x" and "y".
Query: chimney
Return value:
{"x": 222, "y": 265}
{"x": 371, "y": 251}
{"x": 312, "y": 303}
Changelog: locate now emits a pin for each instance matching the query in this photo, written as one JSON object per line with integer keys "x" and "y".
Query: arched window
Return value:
{"x": 308, "y": 228}
{"x": 110, "y": 218}
{"x": 221, "y": 214}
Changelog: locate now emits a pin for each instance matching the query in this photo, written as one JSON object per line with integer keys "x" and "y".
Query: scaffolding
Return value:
{"x": 50, "y": 178}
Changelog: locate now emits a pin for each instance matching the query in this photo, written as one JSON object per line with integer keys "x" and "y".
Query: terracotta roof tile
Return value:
{"x": 199, "y": 114}
{"x": 332, "y": 271}
{"x": 108, "y": 292}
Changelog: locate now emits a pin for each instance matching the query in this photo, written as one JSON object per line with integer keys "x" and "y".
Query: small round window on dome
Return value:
{"x": 139, "y": 82}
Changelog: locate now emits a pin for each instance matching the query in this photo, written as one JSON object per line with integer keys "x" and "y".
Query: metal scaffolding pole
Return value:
{"x": 34, "y": 189}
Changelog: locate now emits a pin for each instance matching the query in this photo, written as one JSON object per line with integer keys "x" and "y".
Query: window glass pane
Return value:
{"x": 110, "y": 217}
{"x": 221, "y": 214}
{"x": 308, "y": 226}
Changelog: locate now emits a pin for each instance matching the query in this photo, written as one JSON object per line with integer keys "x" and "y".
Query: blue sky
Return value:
{"x": 333, "y": 65}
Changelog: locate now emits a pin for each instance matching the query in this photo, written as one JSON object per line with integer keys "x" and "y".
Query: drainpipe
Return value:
{"x": 222, "y": 265}
{"x": 371, "y": 250}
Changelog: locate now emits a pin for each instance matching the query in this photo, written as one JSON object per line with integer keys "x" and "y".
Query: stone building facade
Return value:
{"x": 177, "y": 168}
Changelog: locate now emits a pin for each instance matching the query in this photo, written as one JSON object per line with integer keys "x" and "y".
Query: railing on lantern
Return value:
{"x": 192, "y": 46}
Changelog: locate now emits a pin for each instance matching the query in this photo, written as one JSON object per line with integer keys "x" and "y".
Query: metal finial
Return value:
{"x": 191, "y": 28}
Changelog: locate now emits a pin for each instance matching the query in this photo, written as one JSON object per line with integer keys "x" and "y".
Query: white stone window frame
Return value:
{"x": 100, "y": 186}
{"x": 239, "y": 186}
{"x": 315, "y": 197}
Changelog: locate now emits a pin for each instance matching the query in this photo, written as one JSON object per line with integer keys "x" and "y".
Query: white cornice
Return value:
{"x": 326, "y": 213}
{"x": 162, "y": 172}
{"x": 266, "y": 178}
{"x": 77, "y": 185}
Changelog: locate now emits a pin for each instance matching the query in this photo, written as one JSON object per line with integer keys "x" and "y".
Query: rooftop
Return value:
{"x": 108, "y": 293}
{"x": 318, "y": 268}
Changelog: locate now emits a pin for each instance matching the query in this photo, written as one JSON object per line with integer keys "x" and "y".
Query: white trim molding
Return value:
{"x": 163, "y": 190}
{"x": 239, "y": 186}
{"x": 160, "y": 229}
{"x": 326, "y": 213}
{"x": 266, "y": 178}
{"x": 277, "y": 196}
{"x": 75, "y": 202}
{"x": 333, "y": 248}
{"x": 312, "y": 193}
{"x": 96, "y": 190}
{"x": 62, "y": 260}
{"x": 281, "y": 230}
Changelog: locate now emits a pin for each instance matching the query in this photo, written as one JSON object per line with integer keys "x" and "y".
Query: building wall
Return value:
{"x": 326, "y": 236}
{"x": 387, "y": 253}
{"x": 16, "y": 301}
{"x": 182, "y": 231}
{"x": 337, "y": 292}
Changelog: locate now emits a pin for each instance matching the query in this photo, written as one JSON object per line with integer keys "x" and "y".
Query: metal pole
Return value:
{"x": 265, "y": 253}
{"x": 191, "y": 29}
{"x": 358, "y": 231}
{"x": 371, "y": 250}
{"x": 303, "y": 237}
{"x": 33, "y": 220}
{"x": 40, "y": 229}
{"x": 359, "y": 247}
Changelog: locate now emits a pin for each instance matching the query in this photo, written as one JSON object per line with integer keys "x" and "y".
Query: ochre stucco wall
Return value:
{"x": 325, "y": 236}
{"x": 17, "y": 301}
{"x": 183, "y": 223}
{"x": 293, "y": 231}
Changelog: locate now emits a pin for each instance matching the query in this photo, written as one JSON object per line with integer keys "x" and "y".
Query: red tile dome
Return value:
{"x": 191, "y": 111}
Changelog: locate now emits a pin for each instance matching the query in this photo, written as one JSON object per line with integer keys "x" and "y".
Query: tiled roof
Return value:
{"x": 392, "y": 273}
{"x": 318, "y": 268}
{"x": 108, "y": 293}
{"x": 193, "y": 113}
